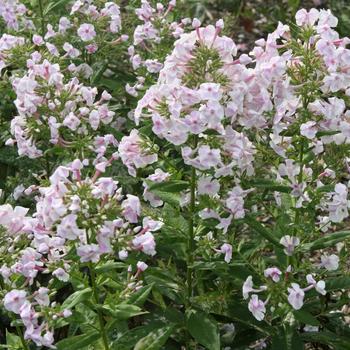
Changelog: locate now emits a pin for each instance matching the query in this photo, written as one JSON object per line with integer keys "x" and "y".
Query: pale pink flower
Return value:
{"x": 289, "y": 242}
{"x": 14, "y": 300}
{"x": 303, "y": 17}
{"x": 248, "y": 287}
{"x": 131, "y": 208}
{"x": 61, "y": 274}
{"x": 123, "y": 254}
{"x": 142, "y": 266}
{"x": 71, "y": 121}
{"x": 42, "y": 296}
{"x": 210, "y": 91}
{"x": 257, "y": 307}
{"x": 274, "y": 273}
{"x": 208, "y": 186}
{"x": 68, "y": 228}
{"x": 208, "y": 157}
{"x": 145, "y": 242}
{"x": 227, "y": 250}
{"x": 308, "y": 129}
{"x": 330, "y": 262}
{"x": 89, "y": 252}
{"x": 296, "y": 296}
{"x": 235, "y": 202}
{"x": 86, "y": 32}
{"x": 319, "y": 286}
{"x": 38, "y": 40}
{"x": 338, "y": 207}
{"x": 133, "y": 153}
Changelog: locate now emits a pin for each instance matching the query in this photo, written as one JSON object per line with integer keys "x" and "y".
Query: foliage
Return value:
{"x": 166, "y": 188}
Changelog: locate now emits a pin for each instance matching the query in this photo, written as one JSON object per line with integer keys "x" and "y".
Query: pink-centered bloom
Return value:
{"x": 274, "y": 273}
{"x": 89, "y": 252}
{"x": 227, "y": 250}
{"x": 86, "y": 32}
{"x": 146, "y": 243}
{"x": 248, "y": 288}
{"x": 134, "y": 153}
{"x": 142, "y": 266}
{"x": 330, "y": 262}
{"x": 257, "y": 307}
{"x": 289, "y": 242}
{"x": 304, "y": 17}
{"x": 208, "y": 186}
{"x": 296, "y": 296}
{"x": 14, "y": 300}
{"x": 131, "y": 208}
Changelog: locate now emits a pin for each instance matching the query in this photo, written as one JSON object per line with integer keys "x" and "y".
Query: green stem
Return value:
{"x": 41, "y": 9}
{"x": 20, "y": 334}
{"x": 191, "y": 241}
{"x": 99, "y": 312}
{"x": 47, "y": 165}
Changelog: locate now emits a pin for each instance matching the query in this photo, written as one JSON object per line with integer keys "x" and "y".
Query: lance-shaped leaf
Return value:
{"x": 262, "y": 230}
{"x": 155, "y": 339}
{"x": 203, "y": 329}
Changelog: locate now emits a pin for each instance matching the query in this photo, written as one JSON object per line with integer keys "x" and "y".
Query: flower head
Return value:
{"x": 257, "y": 307}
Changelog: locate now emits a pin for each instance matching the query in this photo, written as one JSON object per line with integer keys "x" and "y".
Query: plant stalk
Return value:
{"x": 20, "y": 334}
{"x": 191, "y": 242}
{"x": 41, "y": 10}
{"x": 99, "y": 312}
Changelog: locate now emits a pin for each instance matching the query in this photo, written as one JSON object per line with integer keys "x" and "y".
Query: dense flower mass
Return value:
{"x": 68, "y": 111}
{"x": 179, "y": 187}
{"x": 13, "y": 13}
{"x": 90, "y": 216}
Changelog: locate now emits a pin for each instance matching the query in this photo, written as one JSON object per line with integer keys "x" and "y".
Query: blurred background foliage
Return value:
{"x": 245, "y": 21}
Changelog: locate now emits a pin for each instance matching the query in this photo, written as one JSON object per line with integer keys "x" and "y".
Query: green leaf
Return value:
{"x": 123, "y": 311}
{"x": 53, "y": 4}
{"x": 99, "y": 69}
{"x": 173, "y": 186}
{"x": 338, "y": 283}
{"x": 261, "y": 230}
{"x": 327, "y": 133}
{"x": 76, "y": 298}
{"x": 129, "y": 338}
{"x": 154, "y": 340}
{"x": 325, "y": 188}
{"x": 110, "y": 266}
{"x": 165, "y": 283}
{"x": 267, "y": 185}
{"x": 13, "y": 341}
{"x": 327, "y": 241}
{"x": 168, "y": 197}
{"x": 203, "y": 329}
{"x": 173, "y": 219}
{"x": 327, "y": 338}
{"x": 305, "y": 317}
{"x": 78, "y": 342}
{"x": 286, "y": 339}
{"x": 168, "y": 191}
{"x": 236, "y": 269}
{"x": 138, "y": 298}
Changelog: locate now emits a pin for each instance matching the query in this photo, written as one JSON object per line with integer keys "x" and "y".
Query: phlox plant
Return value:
{"x": 204, "y": 206}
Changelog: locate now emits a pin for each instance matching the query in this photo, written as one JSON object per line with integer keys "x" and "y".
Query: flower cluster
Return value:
{"x": 231, "y": 173}
{"x": 12, "y": 12}
{"x": 207, "y": 104}
{"x": 92, "y": 25}
{"x": 53, "y": 111}
{"x": 90, "y": 216}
